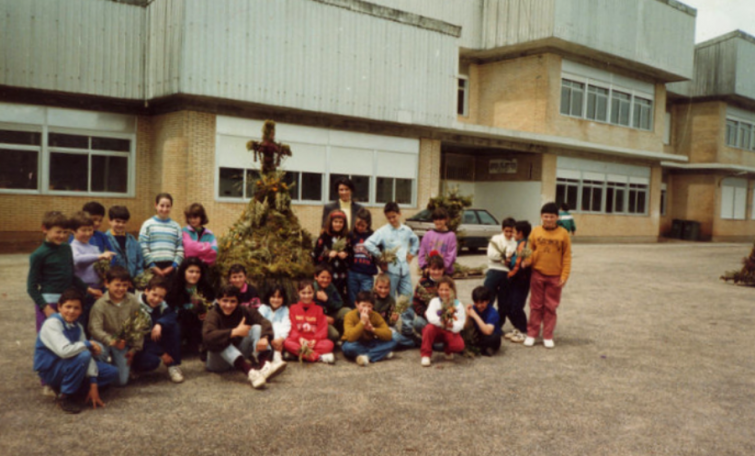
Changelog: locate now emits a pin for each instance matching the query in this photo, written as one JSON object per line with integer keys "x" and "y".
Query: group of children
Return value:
{"x": 87, "y": 326}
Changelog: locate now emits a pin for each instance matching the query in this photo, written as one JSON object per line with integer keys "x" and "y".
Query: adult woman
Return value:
{"x": 344, "y": 203}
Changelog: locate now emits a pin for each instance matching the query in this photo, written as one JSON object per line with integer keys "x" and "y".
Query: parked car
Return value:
{"x": 477, "y": 227}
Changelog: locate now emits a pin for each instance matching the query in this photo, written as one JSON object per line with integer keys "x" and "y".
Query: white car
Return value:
{"x": 477, "y": 227}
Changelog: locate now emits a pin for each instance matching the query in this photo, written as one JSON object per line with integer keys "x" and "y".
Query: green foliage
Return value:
{"x": 454, "y": 203}
{"x": 746, "y": 275}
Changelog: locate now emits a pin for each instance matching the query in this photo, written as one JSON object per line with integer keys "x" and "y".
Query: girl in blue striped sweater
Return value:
{"x": 162, "y": 240}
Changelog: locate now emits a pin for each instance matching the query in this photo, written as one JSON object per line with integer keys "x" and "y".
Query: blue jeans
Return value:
{"x": 358, "y": 282}
{"x": 374, "y": 349}
{"x": 402, "y": 284}
{"x": 412, "y": 324}
{"x": 224, "y": 359}
{"x": 150, "y": 357}
{"x": 118, "y": 358}
{"x": 69, "y": 374}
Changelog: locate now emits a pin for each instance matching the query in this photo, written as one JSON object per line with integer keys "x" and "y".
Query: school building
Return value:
{"x": 609, "y": 107}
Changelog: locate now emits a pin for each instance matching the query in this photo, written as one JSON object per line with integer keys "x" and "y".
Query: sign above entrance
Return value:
{"x": 502, "y": 166}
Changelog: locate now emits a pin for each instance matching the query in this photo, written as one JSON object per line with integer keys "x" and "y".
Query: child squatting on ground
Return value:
{"x": 445, "y": 319}
{"x": 485, "y": 319}
{"x": 367, "y": 337}
{"x": 65, "y": 360}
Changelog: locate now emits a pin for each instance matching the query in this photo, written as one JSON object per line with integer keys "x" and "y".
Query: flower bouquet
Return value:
{"x": 135, "y": 327}
{"x": 305, "y": 351}
{"x": 101, "y": 267}
{"x": 447, "y": 312}
{"x": 199, "y": 304}
{"x": 389, "y": 256}
{"x": 402, "y": 304}
{"x": 140, "y": 282}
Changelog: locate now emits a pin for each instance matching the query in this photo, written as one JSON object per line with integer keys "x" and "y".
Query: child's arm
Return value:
{"x": 413, "y": 247}
{"x": 33, "y": 280}
{"x": 139, "y": 257}
{"x": 493, "y": 252}
{"x": 81, "y": 258}
{"x": 179, "y": 245}
{"x": 96, "y": 325}
{"x": 449, "y": 258}
{"x": 52, "y": 336}
{"x": 144, "y": 240}
{"x": 335, "y": 302}
{"x": 373, "y": 243}
{"x": 424, "y": 250}
{"x": 353, "y": 327}
{"x": 461, "y": 318}
{"x": 381, "y": 330}
{"x": 322, "y": 326}
{"x": 211, "y": 253}
{"x": 215, "y": 338}
{"x": 431, "y": 314}
{"x": 565, "y": 260}
{"x": 485, "y": 328}
{"x": 284, "y": 327}
{"x": 518, "y": 263}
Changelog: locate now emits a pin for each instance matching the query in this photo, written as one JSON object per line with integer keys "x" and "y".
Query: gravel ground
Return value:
{"x": 653, "y": 356}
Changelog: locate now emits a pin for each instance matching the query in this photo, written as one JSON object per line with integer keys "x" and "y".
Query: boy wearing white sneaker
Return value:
{"x": 231, "y": 333}
{"x": 550, "y": 264}
{"x": 366, "y": 335}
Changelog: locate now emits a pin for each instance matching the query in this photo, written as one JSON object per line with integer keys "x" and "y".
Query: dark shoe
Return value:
{"x": 68, "y": 405}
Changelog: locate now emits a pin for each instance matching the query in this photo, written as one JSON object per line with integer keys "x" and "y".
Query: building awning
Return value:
{"x": 739, "y": 169}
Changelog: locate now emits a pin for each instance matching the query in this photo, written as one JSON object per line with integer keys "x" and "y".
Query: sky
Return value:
{"x": 719, "y": 17}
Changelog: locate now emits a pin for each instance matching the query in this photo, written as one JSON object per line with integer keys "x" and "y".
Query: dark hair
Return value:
{"x": 196, "y": 210}
{"x": 449, "y": 281}
{"x": 229, "y": 291}
{"x": 277, "y": 288}
{"x": 549, "y": 208}
{"x": 524, "y": 227}
{"x": 117, "y": 273}
{"x": 440, "y": 214}
{"x": 54, "y": 218}
{"x": 304, "y": 283}
{"x": 165, "y": 196}
{"x": 94, "y": 208}
{"x": 236, "y": 268}
{"x": 328, "y": 229}
{"x": 482, "y": 294}
{"x": 365, "y": 296}
{"x": 158, "y": 282}
{"x": 436, "y": 262}
{"x": 177, "y": 295}
{"x": 345, "y": 181}
{"x": 366, "y": 215}
{"x": 80, "y": 219}
{"x": 391, "y": 206}
{"x": 119, "y": 213}
{"x": 508, "y": 222}
{"x": 565, "y": 207}
{"x": 71, "y": 294}
{"x": 323, "y": 267}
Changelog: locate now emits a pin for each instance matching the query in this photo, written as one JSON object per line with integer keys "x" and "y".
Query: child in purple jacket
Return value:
{"x": 440, "y": 239}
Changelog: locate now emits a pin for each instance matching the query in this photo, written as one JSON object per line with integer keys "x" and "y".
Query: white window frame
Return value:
{"x": 39, "y": 149}
{"x": 733, "y": 199}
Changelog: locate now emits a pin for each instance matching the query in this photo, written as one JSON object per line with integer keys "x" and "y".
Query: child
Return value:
{"x": 366, "y": 335}
{"x": 248, "y": 296}
{"x": 163, "y": 343}
{"x": 128, "y": 251}
{"x": 362, "y": 267}
{"x": 500, "y": 250}
{"x": 439, "y": 331}
{"x": 485, "y": 320}
{"x": 327, "y": 297}
{"x": 519, "y": 280}
{"x": 413, "y": 320}
{"x": 395, "y": 234}
{"x": 232, "y": 333}
{"x": 550, "y": 264}
{"x": 199, "y": 241}
{"x": 384, "y": 302}
{"x": 84, "y": 257}
{"x": 276, "y": 312}
{"x": 63, "y": 358}
{"x": 97, "y": 212}
{"x": 324, "y": 254}
{"x": 51, "y": 268}
{"x": 107, "y": 318}
{"x": 439, "y": 240}
{"x": 161, "y": 239}
{"x": 186, "y": 296}
{"x": 309, "y": 327}
{"x": 565, "y": 219}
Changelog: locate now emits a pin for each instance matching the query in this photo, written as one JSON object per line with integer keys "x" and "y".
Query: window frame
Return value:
{"x": 596, "y": 92}
{"x": 462, "y": 88}
{"x": 604, "y": 189}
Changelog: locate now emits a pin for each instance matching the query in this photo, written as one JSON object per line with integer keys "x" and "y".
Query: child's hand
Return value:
{"x": 48, "y": 311}
{"x": 262, "y": 345}
{"x": 167, "y": 270}
{"x": 322, "y": 296}
{"x": 277, "y": 344}
{"x": 94, "y": 397}
{"x": 383, "y": 266}
{"x": 242, "y": 329}
{"x": 332, "y": 254}
{"x": 106, "y": 255}
{"x": 96, "y": 349}
{"x": 470, "y": 309}
{"x": 394, "y": 317}
{"x": 409, "y": 257}
{"x": 157, "y": 271}
{"x": 157, "y": 331}
{"x": 330, "y": 320}
{"x": 167, "y": 359}
{"x": 511, "y": 274}
{"x": 119, "y": 344}
{"x": 129, "y": 357}
{"x": 94, "y": 292}
{"x": 561, "y": 283}
{"x": 342, "y": 255}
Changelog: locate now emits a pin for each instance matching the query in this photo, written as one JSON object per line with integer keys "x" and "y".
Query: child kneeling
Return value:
{"x": 485, "y": 320}
{"x": 367, "y": 337}
{"x": 64, "y": 359}
{"x": 233, "y": 333}
{"x": 445, "y": 320}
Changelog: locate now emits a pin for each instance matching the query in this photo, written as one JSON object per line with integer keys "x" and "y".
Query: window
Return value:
{"x": 620, "y": 104}
{"x": 19, "y": 154}
{"x": 88, "y": 164}
{"x": 740, "y": 134}
{"x": 592, "y": 196}
{"x": 469, "y": 218}
{"x": 486, "y": 218}
{"x": 733, "y": 198}
{"x": 566, "y": 192}
{"x": 597, "y": 103}
{"x": 642, "y": 113}
{"x": 572, "y": 98}
{"x": 462, "y": 100}
{"x": 393, "y": 189}
{"x": 241, "y": 183}
{"x": 615, "y": 197}
{"x": 731, "y": 132}
{"x": 638, "y": 196}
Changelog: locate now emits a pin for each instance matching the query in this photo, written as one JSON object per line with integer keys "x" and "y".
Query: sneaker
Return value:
{"x": 175, "y": 374}
{"x": 363, "y": 360}
{"x": 449, "y": 356}
{"x": 47, "y": 391}
{"x": 271, "y": 369}
{"x": 328, "y": 358}
{"x": 509, "y": 335}
{"x": 548, "y": 343}
{"x": 257, "y": 379}
{"x": 517, "y": 337}
{"x": 425, "y": 361}
{"x": 68, "y": 405}
{"x": 389, "y": 355}
{"x": 529, "y": 341}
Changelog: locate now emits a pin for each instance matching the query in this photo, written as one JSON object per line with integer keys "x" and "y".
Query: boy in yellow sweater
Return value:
{"x": 551, "y": 263}
{"x": 367, "y": 337}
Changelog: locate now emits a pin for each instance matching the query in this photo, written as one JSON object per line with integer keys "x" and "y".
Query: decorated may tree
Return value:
{"x": 267, "y": 238}
{"x": 746, "y": 275}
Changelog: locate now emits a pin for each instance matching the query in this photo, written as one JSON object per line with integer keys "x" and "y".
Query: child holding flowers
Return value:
{"x": 308, "y": 338}
{"x": 413, "y": 319}
{"x": 191, "y": 297}
{"x": 333, "y": 248}
{"x": 445, "y": 317}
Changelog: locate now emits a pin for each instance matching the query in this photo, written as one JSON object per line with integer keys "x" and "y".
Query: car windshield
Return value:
{"x": 422, "y": 216}
{"x": 486, "y": 218}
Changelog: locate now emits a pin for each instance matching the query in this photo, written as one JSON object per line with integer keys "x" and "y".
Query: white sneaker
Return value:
{"x": 449, "y": 356}
{"x": 328, "y": 358}
{"x": 509, "y": 335}
{"x": 47, "y": 391}
{"x": 548, "y": 343}
{"x": 277, "y": 357}
{"x": 363, "y": 360}
{"x": 389, "y": 355}
{"x": 517, "y": 337}
{"x": 529, "y": 341}
{"x": 257, "y": 379}
{"x": 271, "y": 369}
{"x": 175, "y": 374}
{"x": 425, "y": 361}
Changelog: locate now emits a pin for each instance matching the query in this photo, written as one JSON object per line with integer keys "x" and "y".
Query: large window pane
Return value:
{"x": 404, "y": 191}
{"x": 18, "y": 170}
{"x": 109, "y": 174}
{"x": 69, "y": 172}
{"x": 311, "y": 187}
{"x": 72, "y": 141}
{"x": 384, "y": 190}
{"x": 361, "y": 188}
{"x": 642, "y": 113}
{"x": 597, "y": 103}
{"x": 620, "y": 103}
{"x": 731, "y": 133}
{"x": 291, "y": 178}
{"x": 231, "y": 182}
{"x": 572, "y": 96}
{"x": 114, "y": 144}
{"x": 26, "y": 138}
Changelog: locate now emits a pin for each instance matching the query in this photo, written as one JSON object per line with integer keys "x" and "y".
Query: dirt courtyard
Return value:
{"x": 654, "y": 355}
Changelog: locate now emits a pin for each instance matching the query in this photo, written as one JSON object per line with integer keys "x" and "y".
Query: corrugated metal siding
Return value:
{"x": 745, "y": 63}
{"x": 81, "y": 46}
{"x": 164, "y": 41}
{"x": 509, "y": 22}
{"x": 308, "y": 55}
